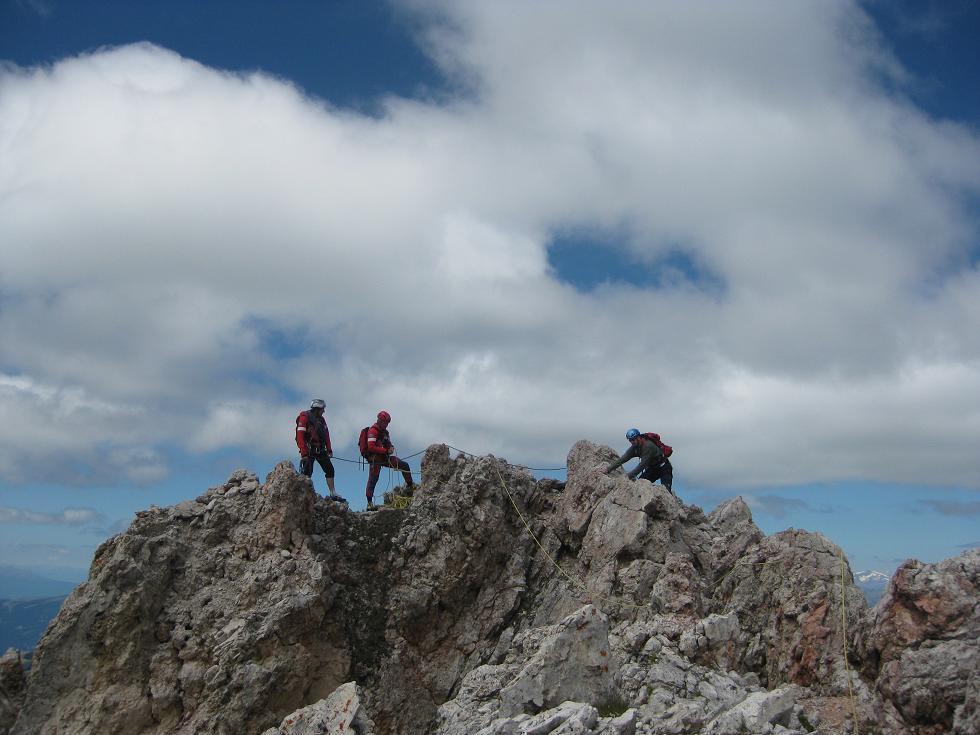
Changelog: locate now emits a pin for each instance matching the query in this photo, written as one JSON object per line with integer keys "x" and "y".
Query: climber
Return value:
{"x": 313, "y": 440}
{"x": 380, "y": 452}
{"x": 652, "y": 454}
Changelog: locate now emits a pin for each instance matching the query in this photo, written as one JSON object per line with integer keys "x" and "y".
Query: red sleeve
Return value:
{"x": 326, "y": 435}
{"x": 301, "y": 434}
{"x": 375, "y": 444}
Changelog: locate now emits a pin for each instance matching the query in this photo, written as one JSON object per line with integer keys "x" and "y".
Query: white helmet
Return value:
{"x": 318, "y": 403}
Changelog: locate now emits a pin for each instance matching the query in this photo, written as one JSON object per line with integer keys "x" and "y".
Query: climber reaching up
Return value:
{"x": 652, "y": 453}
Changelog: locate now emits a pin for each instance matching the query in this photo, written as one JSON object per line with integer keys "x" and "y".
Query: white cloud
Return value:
{"x": 66, "y": 517}
{"x": 153, "y": 211}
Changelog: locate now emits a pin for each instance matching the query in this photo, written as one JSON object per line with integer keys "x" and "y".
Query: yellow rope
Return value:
{"x": 399, "y": 501}
{"x": 847, "y": 670}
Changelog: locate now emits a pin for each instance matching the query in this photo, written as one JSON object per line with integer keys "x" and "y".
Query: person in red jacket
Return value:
{"x": 381, "y": 453}
{"x": 313, "y": 440}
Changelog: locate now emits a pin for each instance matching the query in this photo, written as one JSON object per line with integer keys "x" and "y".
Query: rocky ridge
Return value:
{"x": 494, "y": 603}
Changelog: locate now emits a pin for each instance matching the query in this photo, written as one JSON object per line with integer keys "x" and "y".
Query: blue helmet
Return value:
{"x": 632, "y": 434}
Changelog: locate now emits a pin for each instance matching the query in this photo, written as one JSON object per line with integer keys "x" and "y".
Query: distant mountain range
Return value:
{"x": 17, "y": 583}
{"x": 23, "y": 622}
{"x": 28, "y": 602}
{"x": 872, "y": 583}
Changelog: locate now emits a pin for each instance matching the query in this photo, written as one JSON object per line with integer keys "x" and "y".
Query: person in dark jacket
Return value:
{"x": 313, "y": 440}
{"x": 654, "y": 465}
{"x": 382, "y": 454}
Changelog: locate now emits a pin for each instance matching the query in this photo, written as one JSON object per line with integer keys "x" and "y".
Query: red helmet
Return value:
{"x": 384, "y": 416}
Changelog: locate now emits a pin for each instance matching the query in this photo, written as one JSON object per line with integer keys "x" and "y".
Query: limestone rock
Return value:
{"x": 194, "y": 628}
{"x": 339, "y": 714}
{"x": 921, "y": 644}
{"x": 735, "y": 533}
{"x": 543, "y": 668}
{"x": 13, "y": 688}
{"x": 587, "y": 484}
{"x": 573, "y": 662}
{"x": 492, "y": 603}
{"x": 787, "y": 592}
{"x": 754, "y": 713}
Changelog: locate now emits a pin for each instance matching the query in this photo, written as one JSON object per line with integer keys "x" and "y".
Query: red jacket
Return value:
{"x": 378, "y": 442}
{"x": 311, "y": 432}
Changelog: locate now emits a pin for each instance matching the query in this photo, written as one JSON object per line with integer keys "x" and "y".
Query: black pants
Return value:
{"x": 664, "y": 473}
{"x": 375, "y": 472}
{"x": 306, "y": 463}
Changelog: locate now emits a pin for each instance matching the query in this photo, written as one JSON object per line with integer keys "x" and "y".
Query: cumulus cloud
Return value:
{"x": 52, "y": 432}
{"x": 169, "y": 227}
{"x": 66, "y": 517}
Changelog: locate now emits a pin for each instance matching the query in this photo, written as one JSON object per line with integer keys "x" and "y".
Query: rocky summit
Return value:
{"x": 493, "y": 604}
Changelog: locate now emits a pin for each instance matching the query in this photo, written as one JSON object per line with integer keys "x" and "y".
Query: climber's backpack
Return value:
{"x": 655, "y": 438}
{"x": 305, "y": 416}
{"x": 362, "y": 442}
{"x": 314, "y": 436}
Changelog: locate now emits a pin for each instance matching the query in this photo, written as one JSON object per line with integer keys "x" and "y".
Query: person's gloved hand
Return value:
{"x": 305, "y": 464}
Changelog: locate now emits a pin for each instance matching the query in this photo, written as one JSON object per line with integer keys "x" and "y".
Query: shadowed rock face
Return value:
{"x": 12, "y": 688}
{"x": 493, "y": 603}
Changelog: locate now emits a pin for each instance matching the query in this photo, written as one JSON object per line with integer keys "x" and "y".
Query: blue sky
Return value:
{"x": 750, "y": 227}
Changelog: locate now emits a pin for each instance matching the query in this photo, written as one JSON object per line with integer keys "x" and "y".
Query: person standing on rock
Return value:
{"x": 652, "y": 454}
{"x": 380, "y": 452}
{"x": 313, "y": 440}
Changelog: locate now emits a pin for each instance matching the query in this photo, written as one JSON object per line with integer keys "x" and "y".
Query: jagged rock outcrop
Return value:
{"x": 339, "y": 714}
{"x": 13, "y": 688}
{"x": 578, "y": 676}
{"x": 493, "y": 603}
{"x": 786, "y": 592}
{"x": 921, "y": 646}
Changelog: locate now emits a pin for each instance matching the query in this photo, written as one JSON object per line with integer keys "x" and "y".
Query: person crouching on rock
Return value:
{"x": 381, "y": 453}
{"x": 313, "y": 440}
{"x": 653, "y": 465}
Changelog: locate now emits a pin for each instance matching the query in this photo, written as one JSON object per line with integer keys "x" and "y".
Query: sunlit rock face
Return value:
{"x": 492, "y": 603}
